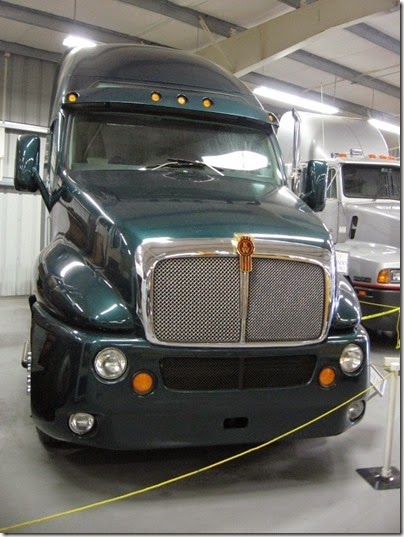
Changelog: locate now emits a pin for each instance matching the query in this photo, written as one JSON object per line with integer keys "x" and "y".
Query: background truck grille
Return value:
{"x": 194, "y": 374}
{"x": 196, "y": 299}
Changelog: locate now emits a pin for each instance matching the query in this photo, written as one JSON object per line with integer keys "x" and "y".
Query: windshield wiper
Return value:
{"x": 181, "y": 163}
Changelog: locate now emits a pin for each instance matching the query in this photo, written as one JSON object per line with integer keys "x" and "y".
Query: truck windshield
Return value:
{"x": 117, "y": 140}
{"x": 371, "y": 181}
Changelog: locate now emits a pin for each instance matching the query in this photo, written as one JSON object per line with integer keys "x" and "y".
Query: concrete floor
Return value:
{"x": 306, "y": 486}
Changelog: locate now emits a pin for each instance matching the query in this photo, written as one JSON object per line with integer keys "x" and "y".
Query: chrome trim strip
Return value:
{"x": 151, "y": 251}
{"x": 244, "y": 290}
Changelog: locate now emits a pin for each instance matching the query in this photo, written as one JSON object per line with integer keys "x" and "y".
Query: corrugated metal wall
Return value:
{"x": 27, "y": 97}
{"x": 20, "y": 241}
{"x": 28, "y": 89}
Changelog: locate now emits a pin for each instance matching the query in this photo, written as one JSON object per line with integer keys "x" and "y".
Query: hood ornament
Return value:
{"x": 245, "y": 248}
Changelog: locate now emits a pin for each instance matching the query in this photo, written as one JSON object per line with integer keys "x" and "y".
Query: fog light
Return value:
{"x": 110, "y": 363}
{"x": 143, "y": 383}
{"x": 356, "y": 410}
{"x": 81, "y": 423}
{"x": 351, "y": 358}
{"x": 327, "y": 377}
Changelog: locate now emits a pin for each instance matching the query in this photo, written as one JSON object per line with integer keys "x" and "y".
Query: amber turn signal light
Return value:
{"x": 327, "y": 377}
{"x": 383, "y": 276}
{"x": 143, "y": 383}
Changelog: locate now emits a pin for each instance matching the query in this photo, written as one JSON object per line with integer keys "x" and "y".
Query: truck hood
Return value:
{"x": 193, "y": 204}
{"x": 378, "y": 221}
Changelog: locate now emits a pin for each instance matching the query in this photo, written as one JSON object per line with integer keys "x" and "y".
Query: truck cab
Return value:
{"x": 362, "y": 207}
{"x": 186, "y": 296}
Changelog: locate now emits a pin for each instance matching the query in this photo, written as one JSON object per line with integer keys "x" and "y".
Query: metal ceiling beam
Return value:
{"x": 361, "y": 29}
{"x": 296, "y": 3}
{"x": 30, "y": 52}
{"x": 291, "y": 3}
{"x": 249, "y": 50}
{"x": 256, "y": 79}
{"x": 344, "y": 72}
{"x": 376, "y": 36}
{"x": 187, "y": 15}
{"x": 221, "y": 27}
{"x": 64, "y": 25}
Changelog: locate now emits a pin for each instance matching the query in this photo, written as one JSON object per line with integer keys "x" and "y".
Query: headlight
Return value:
{"x": 351, "y": 358}
{"x": 110, "y": 363}
{"x": 389, "y": 276}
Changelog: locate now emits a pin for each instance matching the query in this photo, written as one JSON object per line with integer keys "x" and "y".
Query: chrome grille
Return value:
{"x": 286, "y": 301}
{"x": 192, "y": 292}
{"x": 196, "y": 300}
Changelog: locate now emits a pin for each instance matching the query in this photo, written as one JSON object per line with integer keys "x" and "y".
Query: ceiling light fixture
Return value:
{"x": 73, "y": 41}
{"x": 295, "y": 100}
{"x": 383, "y": 126}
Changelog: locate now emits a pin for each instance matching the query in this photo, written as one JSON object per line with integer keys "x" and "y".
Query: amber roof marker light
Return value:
{"x": 181, "y": 99}
{"x": 207, "y": 103}
{"x": 155, "y": 96}
{"x": 72, "y": 97}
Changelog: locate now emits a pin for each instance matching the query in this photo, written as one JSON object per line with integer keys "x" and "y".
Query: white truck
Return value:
{"x": 362, "y": 204}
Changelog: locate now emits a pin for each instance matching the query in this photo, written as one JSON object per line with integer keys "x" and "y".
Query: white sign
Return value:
{"x": 377, "y": 380}
{"x": 342, "y": 262}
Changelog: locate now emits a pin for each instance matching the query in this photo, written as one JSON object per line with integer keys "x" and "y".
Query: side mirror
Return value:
{"x": 27, "y": 163}
{"x": 314, "y": 184}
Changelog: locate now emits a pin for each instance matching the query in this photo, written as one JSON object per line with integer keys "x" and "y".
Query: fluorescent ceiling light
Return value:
{"x": 295, "y": 100}
{"x": 73, "y": 41}
{"x": 383, "y": 126}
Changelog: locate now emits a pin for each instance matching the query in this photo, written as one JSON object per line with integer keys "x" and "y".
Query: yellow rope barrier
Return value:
{"x": 188, "y": 474}
{"x": 392, "y": 309}
{"x": 381, "y": 314}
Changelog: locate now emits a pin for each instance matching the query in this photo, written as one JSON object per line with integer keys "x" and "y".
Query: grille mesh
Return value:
{"x": 196, "y": 300}
{"x": 286, "y": 301}
{"x": 193, "y": 374}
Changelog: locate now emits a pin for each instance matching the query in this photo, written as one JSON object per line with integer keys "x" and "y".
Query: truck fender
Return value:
{"x": 76, "y": 291}
{"x": 347, "y": 312}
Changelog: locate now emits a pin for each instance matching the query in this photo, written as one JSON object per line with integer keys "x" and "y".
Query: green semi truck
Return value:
{"x": 186, "y": 296}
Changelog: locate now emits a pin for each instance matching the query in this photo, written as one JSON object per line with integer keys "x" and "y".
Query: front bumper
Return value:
{"x": 63, "y": 382}
{"x": 376, "y": 301}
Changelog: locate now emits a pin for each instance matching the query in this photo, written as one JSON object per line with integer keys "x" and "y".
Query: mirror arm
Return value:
{"x": 49, "y": 199}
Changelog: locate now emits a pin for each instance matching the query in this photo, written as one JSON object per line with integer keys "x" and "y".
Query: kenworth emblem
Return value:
{"x": 245, "y": 249}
